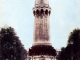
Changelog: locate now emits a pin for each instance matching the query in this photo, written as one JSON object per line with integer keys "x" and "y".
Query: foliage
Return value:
{"x": 72, "y": 50}
{"x": 11, "y": 47}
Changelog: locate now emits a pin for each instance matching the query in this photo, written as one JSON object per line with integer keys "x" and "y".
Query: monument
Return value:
{"x": 41, "y": 48}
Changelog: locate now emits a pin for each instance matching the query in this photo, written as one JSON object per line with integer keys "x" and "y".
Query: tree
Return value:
{"x": 74, "y": 40}
{"x": 11, "y": 47}
{"x": 72, "y": 50}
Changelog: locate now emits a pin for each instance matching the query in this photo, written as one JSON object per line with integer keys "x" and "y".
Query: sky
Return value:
{"x": 65, "y": 16}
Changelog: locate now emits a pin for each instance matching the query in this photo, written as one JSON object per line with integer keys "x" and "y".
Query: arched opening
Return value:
{"x": 42, "y": 11}
{"x": 46, "y": 12}
{"x": 34, "y": 12}
{"x": 37, "y": 12}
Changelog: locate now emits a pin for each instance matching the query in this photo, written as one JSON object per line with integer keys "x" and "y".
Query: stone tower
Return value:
{"x": 41, "y": 13}
{"x": 41, "y": 48}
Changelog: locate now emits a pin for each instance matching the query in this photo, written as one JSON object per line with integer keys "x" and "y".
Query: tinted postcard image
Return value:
{"x": 39, "y": 30}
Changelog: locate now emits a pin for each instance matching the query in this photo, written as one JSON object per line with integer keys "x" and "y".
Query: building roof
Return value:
{"x": 42, "y": 50}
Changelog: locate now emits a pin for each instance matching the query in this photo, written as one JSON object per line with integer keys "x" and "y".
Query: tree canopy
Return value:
{"x": 72, "y": 50}
{"x": 11, "y": 47}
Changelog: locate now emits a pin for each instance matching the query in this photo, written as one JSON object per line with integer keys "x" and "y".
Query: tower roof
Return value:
{"x": 41, "y": 2}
